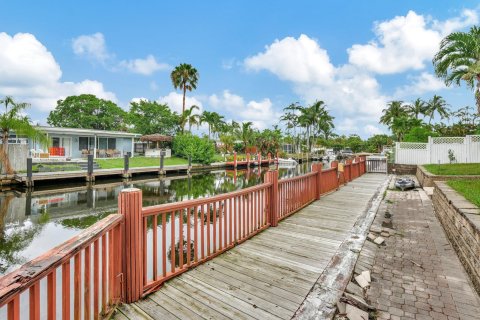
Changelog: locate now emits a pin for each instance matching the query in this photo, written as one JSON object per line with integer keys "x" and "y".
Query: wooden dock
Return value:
{"x": 103, "y": 173}
{"x": 269, "y": 275}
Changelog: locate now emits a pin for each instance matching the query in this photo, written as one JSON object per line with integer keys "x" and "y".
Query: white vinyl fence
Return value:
{"x": 437, "y": 150}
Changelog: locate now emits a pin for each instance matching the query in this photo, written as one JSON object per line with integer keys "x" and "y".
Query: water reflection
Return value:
{"x": 32, "y": 222}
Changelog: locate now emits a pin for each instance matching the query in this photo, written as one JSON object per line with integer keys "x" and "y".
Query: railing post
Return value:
{"x": 348, "y": 166}
{"x": 259, "y": 158}
{"x": 272, "y": 177}
{"x": 317, "y": 167}
{"x": 335, "y": 165}
{"x": 130, "y": 206}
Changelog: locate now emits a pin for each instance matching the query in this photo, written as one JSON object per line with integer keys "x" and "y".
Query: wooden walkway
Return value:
{"x": 268, "y": 276}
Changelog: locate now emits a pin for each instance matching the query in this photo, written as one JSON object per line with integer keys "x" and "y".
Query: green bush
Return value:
{"x": 200, "y": 149}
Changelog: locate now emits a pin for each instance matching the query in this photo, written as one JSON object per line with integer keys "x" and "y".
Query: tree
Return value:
{"x": 375, "y": 143}
{"x": 189, "y": 117}
{"x": 437, "y": 105}
{"x": 185, "y": 77}
{"x": 245, "y": 133}
{"x": 160, "y": 118}
{"x": 355, "y": 143}
{"x": 395, "y": 109}
{"x": 458, "y": 59}
{"x": 12, "y": 121}
{"x": 88, "y": 112}
{"x": 419, "y": 107}
{"x": 403, "y": 124}
{"x": 214, "y": 121}
{"x": 419, "y": 134}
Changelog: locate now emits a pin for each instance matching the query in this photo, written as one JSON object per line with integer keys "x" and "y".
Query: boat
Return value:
{"x": 287, "y": 162}
{"x": 404, "y": 184}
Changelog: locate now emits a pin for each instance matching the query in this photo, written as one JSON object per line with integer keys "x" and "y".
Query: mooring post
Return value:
{"x": 248, "y": 159}
{"x": 126, "y": 166}
{"x": 189, "y": 164}
{"x": 162, "y": 157}
{"x": 235, "y": 159}
{"x": 259, "y": 158}
{"x": 29, "y": 181}
{"x": 272, "y": 177}
{"x": 90, "y": 176}
{"x": 269, "y": 156}
{"x": 130, "y": 206}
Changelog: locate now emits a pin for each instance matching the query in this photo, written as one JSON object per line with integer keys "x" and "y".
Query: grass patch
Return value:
{"x": 454, "y": 169}
{"x": 136, "y": 162}
{"x": 470, "y": 189}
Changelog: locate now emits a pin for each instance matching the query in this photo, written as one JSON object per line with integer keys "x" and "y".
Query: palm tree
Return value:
{"x": 419, "y": 107}
{"x": 189, "y": 117}
{"x": 12, "y": 120}
{"x": 458, "y": 59}
{"x": 214, "y": 121}
{"x": 395, "y": 109}
{"x": 185, "y": 77}
{"x": 245, "y": 133}
{"x": 437, "y": 105}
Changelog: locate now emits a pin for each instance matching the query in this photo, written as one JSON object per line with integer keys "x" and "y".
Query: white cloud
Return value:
{"x": 406, "y": 42}
{"x": 29, "y": 72}
{"x": 175, "y": 101}
{"x": 145, "y": 66}
{"x": 91, "y": 46}
{"x": 347, "y": 125}
{"x": 261, "y": 113}
{"x": 299, "y": 60}
{"x": 372, "y": 130}
{"x": 424, "y": 82}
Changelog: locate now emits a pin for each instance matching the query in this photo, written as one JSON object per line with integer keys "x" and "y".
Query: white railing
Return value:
{"x": 439, "y": 150}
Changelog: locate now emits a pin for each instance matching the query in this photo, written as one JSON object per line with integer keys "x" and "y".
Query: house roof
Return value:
{"x": 156, "y": 138}
{"x": 87, "y": 132}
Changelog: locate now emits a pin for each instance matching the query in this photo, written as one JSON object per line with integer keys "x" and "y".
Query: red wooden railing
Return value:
{"x": 95, "y": 283}
{"x": 137, "y": 250}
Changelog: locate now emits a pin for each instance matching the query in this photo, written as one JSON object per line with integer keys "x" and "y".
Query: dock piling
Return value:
{"x": 90, "y": 176}
{"x": 126, "y": 167}
{"x": 162, "y": 158}
{"x": 29, "y": 173}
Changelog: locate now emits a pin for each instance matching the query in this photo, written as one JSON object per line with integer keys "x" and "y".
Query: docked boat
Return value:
{"x": 287, "y": 162}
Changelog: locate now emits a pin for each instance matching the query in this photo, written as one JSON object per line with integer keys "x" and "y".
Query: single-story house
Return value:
{"x": 79, "y": 143}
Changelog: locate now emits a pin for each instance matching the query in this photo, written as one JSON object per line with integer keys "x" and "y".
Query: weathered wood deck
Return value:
{"x": 268, "y": 276}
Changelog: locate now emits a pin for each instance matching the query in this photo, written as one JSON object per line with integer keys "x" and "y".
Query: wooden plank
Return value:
{"x": 235, "y": 302}
{"x": 277, "y": 308}
{"x": 190, "y": 302}
{"x": 262, "y": 269}
{"x": 173, "y": 306}
{"x": 133, "y": 312}
{"x": 154, "y": 310}
{"x": 213, "y": 302}
{"x": 229, "y": 280}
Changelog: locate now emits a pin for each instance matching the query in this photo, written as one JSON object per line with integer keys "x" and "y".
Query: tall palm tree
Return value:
{"x": 458, "y": 59}
{"x": 394, "y": 109}
{"x": 245, "y": 133}
{"x": 12, "y": 120}
{"x": 214, "y": 121}
{"x": 419, "y": 107}
{"x": 185, "y": 77}
{"x": 437, "y": 105}
{"x": 189, "y": 117}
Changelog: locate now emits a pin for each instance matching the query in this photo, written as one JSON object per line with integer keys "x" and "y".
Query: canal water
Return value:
{"x": 33, "y": 222}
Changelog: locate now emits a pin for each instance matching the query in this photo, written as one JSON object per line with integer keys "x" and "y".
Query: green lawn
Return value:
{"x": 136, "y": 162}
{"x": 454, "y": 169}
{"x": 470, "y": 189}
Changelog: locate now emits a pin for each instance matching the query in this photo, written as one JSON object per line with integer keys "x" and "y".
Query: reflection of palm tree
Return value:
{"x": 185, "y": 252}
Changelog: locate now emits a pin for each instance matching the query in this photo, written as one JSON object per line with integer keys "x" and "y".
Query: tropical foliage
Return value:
{"x": 184, "y": 77}
{"x": 12, "y": 120}
{"x": 458, "y": 60}
{"x": 88, "y": 112}
{"x": 201, "y": 150}
{"x": 160, "y": 118}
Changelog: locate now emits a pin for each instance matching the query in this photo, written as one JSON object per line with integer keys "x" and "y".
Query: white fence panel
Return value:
{"x": 437, "y": 150}
{"x": 441, "y": 146}
{"x": 412, "y": 153}
{"x": 474, "y": 149}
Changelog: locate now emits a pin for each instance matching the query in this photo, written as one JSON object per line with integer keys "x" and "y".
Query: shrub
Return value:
{"x": 200, "y": 149}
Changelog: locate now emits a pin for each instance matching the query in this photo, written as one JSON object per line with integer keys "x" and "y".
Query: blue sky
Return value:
{"x": 254, "y": 57}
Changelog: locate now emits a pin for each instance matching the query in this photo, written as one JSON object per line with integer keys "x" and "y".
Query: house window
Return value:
{"x": 112, "y": 143}
{"x": 85, "y": 143}
{"x": 55, "y": 142}
{"x": 107, "y": 143}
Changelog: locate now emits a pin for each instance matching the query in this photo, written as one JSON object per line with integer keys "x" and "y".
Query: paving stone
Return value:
{"x": 379, "y": 240}
{"x": 353, "y": 313}
{"x": 417, "y": 275}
